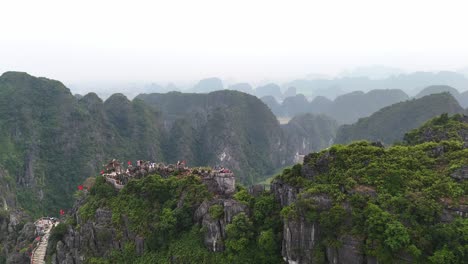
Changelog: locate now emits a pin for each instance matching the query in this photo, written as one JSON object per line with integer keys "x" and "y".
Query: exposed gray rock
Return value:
{"x": 216, "y": 228}
{"x": 140, "y": 245}
{"x": 284, "y": 193}
{"x": 451, "y": 211}
{"x": 299, "y": 239}
{"x": 15, "y": 237}
{"x": 221, "y": 183}
{"x": 378, "y": 144}
{"x": 349, "y": 252}
{"x": 256, "y": 190}
{"x": 460, "y": 174}
{"x": 214, "y": 234}
{"x": 321, "y": 165}
{"x": 95, "y": 237}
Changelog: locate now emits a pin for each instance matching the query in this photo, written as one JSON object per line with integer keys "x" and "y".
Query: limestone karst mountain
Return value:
{"x": 439, "y": 129}
{"x": 50, "y": 140}
{"x": 390, "y": 124}
{"x": 229, "y": 128}
{"x": 309, "y": 133}
{"x": 434, "y": 89}
{"x": 462, "y": 97}
{"x": 16, "y": 229}
{"x": 273, "y": 104}
{"x": 360, "y": 203}
{"x": 269, "y": 89}
{"x": 346, "y": 108}
{"x": 208, "y": 85}
{"x": 242, "y": 87}
{"x": 410, "y": 83}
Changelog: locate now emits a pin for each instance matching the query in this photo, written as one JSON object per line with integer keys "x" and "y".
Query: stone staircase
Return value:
{"x": 39, "y": 253}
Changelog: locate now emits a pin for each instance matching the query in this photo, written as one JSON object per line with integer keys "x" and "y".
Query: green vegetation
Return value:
{"x": 396, "y": 195}
{"x": 438, "y": 129}
{"x": 390, "y": 124}
{"x": 346, "y": 108}
{"x": 161, "y": 210}
{"x": 207, "y": 125}
{"x": 57, "y": 234}
{"x": 216, "y": 211}
{"x": 51, "y": 141}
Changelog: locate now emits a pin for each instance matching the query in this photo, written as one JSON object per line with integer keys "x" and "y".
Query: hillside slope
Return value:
{"x": 16, "y": 229}
{"x": 227, "y": 128}
{"x": 391, "y": 123}
{"x": 346, "y": 108}
{"x": 363, "y": 203}
{"x": 360, "y": 203}
{"x": 50, "y": 140}
{"x": 309, "y": 133}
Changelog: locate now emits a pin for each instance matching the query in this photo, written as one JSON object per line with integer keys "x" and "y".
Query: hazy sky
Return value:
{"x": 248, "y": 40}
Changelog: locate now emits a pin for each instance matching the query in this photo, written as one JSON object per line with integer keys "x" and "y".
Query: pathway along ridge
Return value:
{"x": 43, "y": 228}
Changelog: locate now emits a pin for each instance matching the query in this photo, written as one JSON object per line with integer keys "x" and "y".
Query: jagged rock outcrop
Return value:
{"x": 301, "y": 237}
{"x": 284, "y": 193}
{"x": 349, "y": 252}
{"x": 440, "y": 129}
{"x": 16, "y": 229}
{"x": 16, "y": 238}
{"x": 460, "y": 174}
{"x": 299, "y": 240}
{"x": 220, "y": 183}
{"x": 222, "y": 128}
{"x": 215, "y": 225}
{"x": 452, "y": 210}
{"x": 95, "y": 237}
{"x": 309, "y": 133}
{"x": 100, "y": 235}
{"x": 309, "y": 204}
{"x": 49, "y": 136}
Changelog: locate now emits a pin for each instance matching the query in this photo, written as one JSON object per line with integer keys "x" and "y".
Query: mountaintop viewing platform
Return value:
{"x": 219, "y": 179}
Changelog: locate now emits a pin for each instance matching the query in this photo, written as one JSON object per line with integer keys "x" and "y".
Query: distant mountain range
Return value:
{"x": 410, "y": 83}
{"x": 346, "y": 109}
{"x": 390, "y": 124}
{"x": 361, "y": 79}
{"x": 374, "y": 72}
{"x": 50, "y": 140}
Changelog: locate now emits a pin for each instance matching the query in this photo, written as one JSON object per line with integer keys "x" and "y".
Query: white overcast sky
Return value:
{"x": 250, "y": 40}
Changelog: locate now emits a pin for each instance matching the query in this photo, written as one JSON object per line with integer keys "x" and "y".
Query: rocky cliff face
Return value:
{"x": 93, "y": 238}
{"x": 305, "y": 231}
{"x": 16, "y": 236}
{"x": 216, "y": 225}
{"x": 302, "y": 238}
{"x": 99, "y": 236}
{"x": 225, "y": 128}
{"x": 309, "y": 133}
{"x": 16, "y": 230}
{"x": 48, "y": 137}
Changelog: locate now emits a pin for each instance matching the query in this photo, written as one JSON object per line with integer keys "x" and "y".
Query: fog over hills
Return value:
{"x": 360, "y": 79}
{"x": 233, "y": 132}
{"x": 373, "y": 72}
{"x": 346, "y": 108}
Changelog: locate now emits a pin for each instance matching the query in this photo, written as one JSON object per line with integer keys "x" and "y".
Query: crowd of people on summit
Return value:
{"x": 119, "y": 176}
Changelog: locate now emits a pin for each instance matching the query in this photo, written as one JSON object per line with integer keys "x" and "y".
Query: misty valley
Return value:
{"x": 214, "y": 174}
